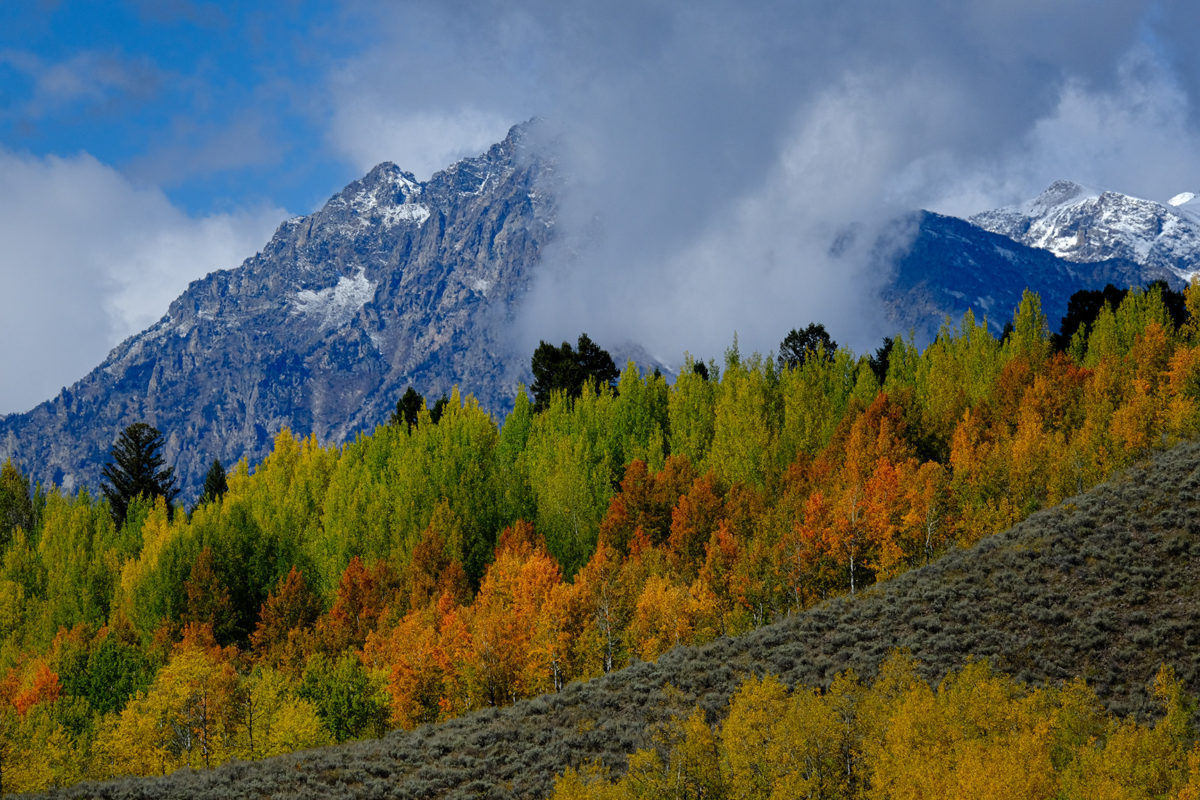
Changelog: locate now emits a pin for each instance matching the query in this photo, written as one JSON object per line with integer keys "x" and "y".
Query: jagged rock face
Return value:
{"x": 394, "y": 282}
{"x": 1083, "y": 225}
{"x": 953, "y": 265}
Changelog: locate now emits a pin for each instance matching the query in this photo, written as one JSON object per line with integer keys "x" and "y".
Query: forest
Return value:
{"x": 433, "y": 569}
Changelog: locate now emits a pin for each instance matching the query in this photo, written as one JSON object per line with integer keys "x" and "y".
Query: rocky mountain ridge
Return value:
{"x": 953, "y": 265}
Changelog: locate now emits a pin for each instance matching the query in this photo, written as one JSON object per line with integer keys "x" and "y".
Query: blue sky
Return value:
{"x": 144, "y": 144}
{"x": 220, "y": 107}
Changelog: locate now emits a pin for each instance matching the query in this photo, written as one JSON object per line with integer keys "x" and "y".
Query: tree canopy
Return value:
{"x": 565, "y": 369}
{"x": 798, "y": 345}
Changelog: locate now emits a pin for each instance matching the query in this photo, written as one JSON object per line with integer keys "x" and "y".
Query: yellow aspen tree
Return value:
{"x": 663, "y": 617}
{"x": 754, "y": 711}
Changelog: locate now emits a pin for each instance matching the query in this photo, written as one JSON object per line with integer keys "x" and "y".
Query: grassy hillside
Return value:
{"x": 1104, "y": 586}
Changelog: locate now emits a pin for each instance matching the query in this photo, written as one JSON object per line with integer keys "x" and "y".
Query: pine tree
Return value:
{"x": 408, "y": 408}
{"x": 798, "y": 345}
{"x": 215, "y": 483}
{"x": 567, "y": 369}
{"x": 137, "y": 469}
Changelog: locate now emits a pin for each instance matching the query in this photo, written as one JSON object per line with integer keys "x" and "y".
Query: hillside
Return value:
{"x": 1102, "y": 586}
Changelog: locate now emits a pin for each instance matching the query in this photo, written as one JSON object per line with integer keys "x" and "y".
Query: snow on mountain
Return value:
{"x": 1187, "y": 203}
{"x": 1084, "y": 225}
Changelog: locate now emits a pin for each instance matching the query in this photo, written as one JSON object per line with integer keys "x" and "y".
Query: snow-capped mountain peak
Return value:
{"x": 1085, "y": 225}
{"x": 1058, "y": 194}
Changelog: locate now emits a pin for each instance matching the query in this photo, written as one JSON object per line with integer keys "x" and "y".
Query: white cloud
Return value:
{"x": 1137, "y": 135}
{"x": 90, "y": 259}
{"x": 368, "y": 132}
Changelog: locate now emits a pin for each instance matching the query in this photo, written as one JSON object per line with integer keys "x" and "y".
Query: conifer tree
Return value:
{"x": 215, "y": 483}
{"x": 798, "y": 345}
{"x": 137, "y": 469}
{"x": 567, "y": 369}
{"x": 408, "y": 408}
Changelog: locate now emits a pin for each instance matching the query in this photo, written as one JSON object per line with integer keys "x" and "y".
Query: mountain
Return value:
{"x": 1100, "y": 587}
{"x": 953, "y": 265}
{"x": 397, "y": 282}
{"x": 1088, "y": 225}
{"x": 393, "y": 282}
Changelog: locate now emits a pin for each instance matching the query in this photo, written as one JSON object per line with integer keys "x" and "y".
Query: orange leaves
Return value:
{"x": 362, "y": 595}
{"x": 693, "y": 521}
{"x": 288, "y": 613}
{"x": 433, "y": 571}
{"x": 43, "y": 687}
{"x": 645, "y": 502}
{"x": 444, "y": 658}
{"x": 411, "y": 656}
{"x": 883, "y": 514}
{"x": 208, "y": 598}
{"x": 505, "y": 618}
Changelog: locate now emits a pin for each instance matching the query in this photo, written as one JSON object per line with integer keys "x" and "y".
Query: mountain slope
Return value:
{"x": 1087, "y": 225}
{"x": 953, "y": 265}
{"x": 393, "y": 282}
{"x": 1103, "y": 586}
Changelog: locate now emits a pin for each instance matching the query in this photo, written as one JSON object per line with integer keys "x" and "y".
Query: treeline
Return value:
{"x": 431, "y": 569}
{"x": 978, "y": 734}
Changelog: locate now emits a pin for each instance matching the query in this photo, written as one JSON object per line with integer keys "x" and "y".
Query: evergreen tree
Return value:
{"x": 215, "y": 483}
{"x": 438, "y": 409}
{"x": 408, "y": 408}
{"x": 136, "y": 469}
{"x": 882, "y": 358}
{"x": 565, "y": 369}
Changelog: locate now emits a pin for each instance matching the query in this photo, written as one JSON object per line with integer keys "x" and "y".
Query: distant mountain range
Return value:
{"x": 953, "y": 265}
{"x": 395, "y": 282}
